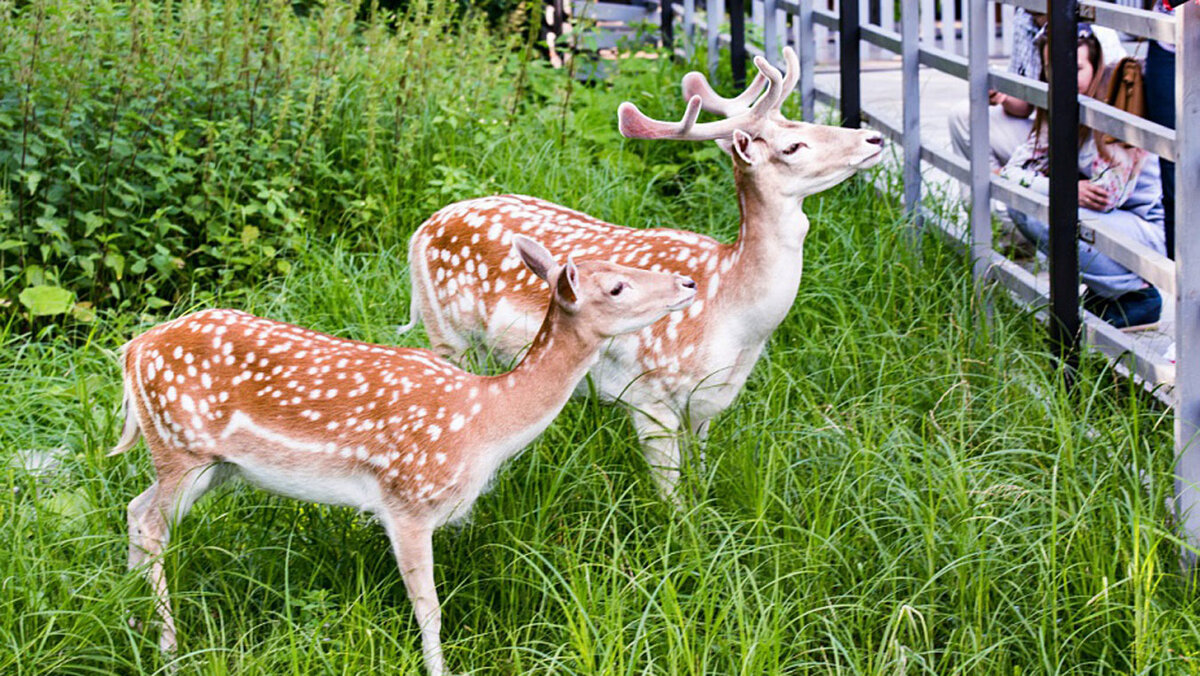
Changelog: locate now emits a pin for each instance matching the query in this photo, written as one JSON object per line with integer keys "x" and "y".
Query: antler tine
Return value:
{"x": 791, "y": 76}
{"x": 774, "y": 96}
{"x": 634, "y": 124}
{"x": 695, "y": 84}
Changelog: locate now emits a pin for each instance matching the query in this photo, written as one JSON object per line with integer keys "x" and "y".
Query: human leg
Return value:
{"x": 1005, "y": 132}
{"x": 1102, "y": 274}
{"x": 960, "y": 128}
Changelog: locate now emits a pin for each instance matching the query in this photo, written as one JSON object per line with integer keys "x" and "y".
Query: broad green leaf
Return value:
{"x": 32, "y": 179}
{"x": 115, "y": 262}
{"x": 249, "y": 234}
{"x": 46, "y": 300}
{"x": 84, "y": 312}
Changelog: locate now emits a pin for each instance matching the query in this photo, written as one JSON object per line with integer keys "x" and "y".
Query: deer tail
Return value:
{"x": 130, "y": 431}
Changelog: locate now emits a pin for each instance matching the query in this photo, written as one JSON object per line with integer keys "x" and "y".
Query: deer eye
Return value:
{"x": 793, "y": 148}
{"x": 616, "y": 290}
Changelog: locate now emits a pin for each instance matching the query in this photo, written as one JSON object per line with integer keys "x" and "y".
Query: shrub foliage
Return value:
{"x": 149, "y": 147}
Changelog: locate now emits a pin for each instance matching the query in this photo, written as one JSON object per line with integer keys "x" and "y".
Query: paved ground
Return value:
{"x": 881, "y": 94}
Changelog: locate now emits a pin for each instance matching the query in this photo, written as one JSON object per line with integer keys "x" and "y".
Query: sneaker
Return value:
{"x": 1134, "y": 311}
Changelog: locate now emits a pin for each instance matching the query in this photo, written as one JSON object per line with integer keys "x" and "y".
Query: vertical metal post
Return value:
{"x": 1064, "y": 185}
{"x": 770, "y": 33}
{"x": 689, "y": 27}
{"x": 848, "y": 42}
{"x": 981, "y": 170}
{"x": 667, "y": 9}
{"x": 737, "y": 42}
{"x": 967, "y": 6}
{"x": 928, "y": 18}
{"x": 1006, "y": 30}
{"x": 991, "y": 27}
{"x": 911, "y": 84}
{"x": 714, "y": 11}
{"x": 866, "y": 50}
{"x": 808, "y": 58}
{"x": 950, "y": 41}
{"x": 1187, "y": 272}
{"x": 781, "y": 25}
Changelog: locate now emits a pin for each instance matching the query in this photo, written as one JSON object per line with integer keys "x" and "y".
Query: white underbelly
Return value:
{"x": 358, "y": 490}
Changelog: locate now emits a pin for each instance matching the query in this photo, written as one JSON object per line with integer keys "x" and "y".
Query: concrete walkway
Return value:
{"x": 881, "y": 94}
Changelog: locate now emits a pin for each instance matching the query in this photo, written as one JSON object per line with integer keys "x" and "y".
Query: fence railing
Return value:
{"x": 937, "y": 37}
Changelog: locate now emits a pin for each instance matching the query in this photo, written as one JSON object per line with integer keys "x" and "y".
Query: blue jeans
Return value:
{"x": 1103, "y": 275}
{"x": 1160, "y": 108}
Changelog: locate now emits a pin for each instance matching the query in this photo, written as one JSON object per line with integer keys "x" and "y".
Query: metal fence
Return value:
{"x": 942, "y": 23}
{"x": 939, "y": 38}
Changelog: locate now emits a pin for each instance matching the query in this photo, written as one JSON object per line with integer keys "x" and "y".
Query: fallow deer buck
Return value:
{"x": 398, "y": 432}
{"x": 469, "y": 289}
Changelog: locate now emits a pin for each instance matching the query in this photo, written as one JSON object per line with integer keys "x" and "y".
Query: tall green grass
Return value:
{"x": 903, "y": 486}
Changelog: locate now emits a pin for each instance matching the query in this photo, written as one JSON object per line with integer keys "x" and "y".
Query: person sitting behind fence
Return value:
{"x": 1008, "y": 116}
{"x": 1119, "y": 188}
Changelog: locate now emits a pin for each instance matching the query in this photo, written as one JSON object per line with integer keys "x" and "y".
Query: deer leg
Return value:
{"x": 658, "y": 432}
{"x": 138, "y": 544}
{"x": 150, "y": 517}
{"x": 412, "y": 543}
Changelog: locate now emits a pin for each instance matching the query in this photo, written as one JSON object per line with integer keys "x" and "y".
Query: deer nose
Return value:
{"x": 687, "y": 282}
{"x": 875, "y": 139}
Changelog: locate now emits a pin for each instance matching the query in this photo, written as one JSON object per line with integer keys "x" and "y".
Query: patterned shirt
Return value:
{"x": 1116, "y": 170}
{"x": 1025, "y": 60}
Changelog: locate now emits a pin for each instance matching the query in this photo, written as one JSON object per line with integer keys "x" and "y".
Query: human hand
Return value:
{"x": 996, "y": 98}
{"x": 1092, "y": 196}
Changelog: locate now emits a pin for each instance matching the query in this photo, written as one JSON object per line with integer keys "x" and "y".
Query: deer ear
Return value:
{"x": 743, "y": 148}
{"x": 567, "y": 287}
{"x": 536, "y": 257}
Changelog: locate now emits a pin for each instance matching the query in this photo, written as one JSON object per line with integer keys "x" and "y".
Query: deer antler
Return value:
{"x": 633, "y": 123}
{"x": 695, "y": 84}
{"x": 790, "y": 78}
{"x": 739, "y": 112}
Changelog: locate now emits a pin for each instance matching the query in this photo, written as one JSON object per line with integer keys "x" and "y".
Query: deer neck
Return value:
{"x": 532, "y": 394}
{"x": 764, "y": 265}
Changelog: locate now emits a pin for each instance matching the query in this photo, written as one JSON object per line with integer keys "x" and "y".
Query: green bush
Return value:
{"x": 149, "y": 148}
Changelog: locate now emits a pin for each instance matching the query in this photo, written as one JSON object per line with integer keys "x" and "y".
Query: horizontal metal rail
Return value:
{"x": 1138, "y": 22}
{"x": 1146, "y": 262}
{"x": 1098, "y": 115}
{"x": 825, "y": 17}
